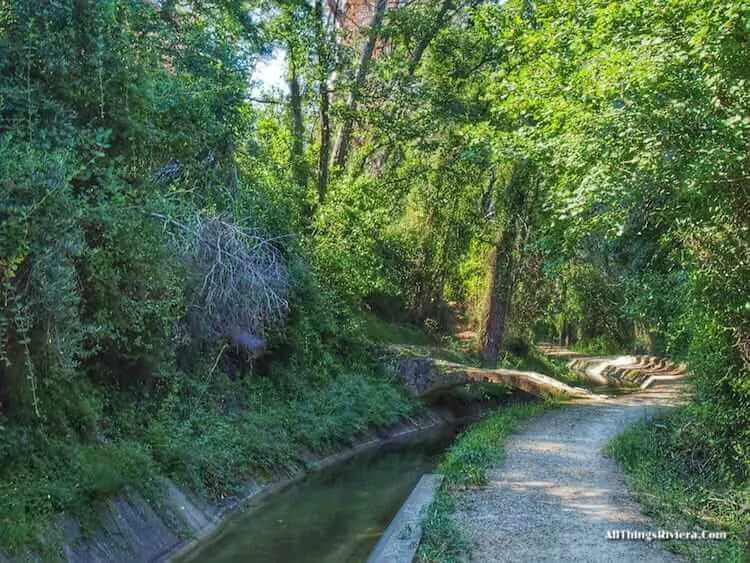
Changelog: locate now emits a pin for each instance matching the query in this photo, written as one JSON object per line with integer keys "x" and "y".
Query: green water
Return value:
{"x": 337, "y": 515}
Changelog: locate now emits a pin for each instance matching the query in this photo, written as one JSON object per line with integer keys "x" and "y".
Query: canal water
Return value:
{"x": 336, "y": 515}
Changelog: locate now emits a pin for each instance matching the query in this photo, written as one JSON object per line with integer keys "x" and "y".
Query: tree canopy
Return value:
{"x": 569, "y": 170}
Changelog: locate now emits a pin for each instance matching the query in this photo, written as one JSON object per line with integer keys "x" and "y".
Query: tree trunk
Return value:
{"x": 499, "y": 296}
{"x": 299, "y": 166}
{"x": 325, "y": 141}
{"x": 341, "y": 147}
{"x": 502, "y": 268}
{"x": 234, "y": 181}
{"x": 419, "y": 50}
{"x": 325, "y": 123}
{"x": 380, "y": 160}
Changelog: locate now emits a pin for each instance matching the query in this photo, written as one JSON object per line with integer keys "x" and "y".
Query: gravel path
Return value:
{"x": 555, "y": 495}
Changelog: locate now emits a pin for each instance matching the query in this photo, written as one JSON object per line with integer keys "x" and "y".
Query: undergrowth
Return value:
{"x": 209, "y": 446}
{"x": 599, "y": 346}
{"x": 214, "y": 449}
{"x": 208, "y": 419}
{"x": 55, "y": 477}
{"x": 669, "y": 466}
{"x": 383, "y": 332}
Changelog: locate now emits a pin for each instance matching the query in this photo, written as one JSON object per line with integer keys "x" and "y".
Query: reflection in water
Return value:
{"x": 333, "y": 516}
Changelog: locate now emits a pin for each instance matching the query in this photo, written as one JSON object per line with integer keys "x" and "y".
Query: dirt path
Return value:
{"x": 555, "y": 496}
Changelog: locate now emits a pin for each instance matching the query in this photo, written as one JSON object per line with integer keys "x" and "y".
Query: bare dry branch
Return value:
{"x": 241, "y": 278}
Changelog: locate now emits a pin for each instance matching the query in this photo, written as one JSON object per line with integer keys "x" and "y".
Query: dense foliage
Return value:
{"x": 184, "y": 262}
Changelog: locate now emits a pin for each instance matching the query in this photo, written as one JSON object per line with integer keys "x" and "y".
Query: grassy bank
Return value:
{"x": 206, "y": 430}
{"x": 466, "y": 464}
{"x": 677, "y": 485}
{"x": 211, "y": 445}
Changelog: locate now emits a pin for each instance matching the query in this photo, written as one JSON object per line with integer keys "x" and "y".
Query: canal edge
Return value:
{"x": 432, "y": 420}
{"x": 400, "y": 541}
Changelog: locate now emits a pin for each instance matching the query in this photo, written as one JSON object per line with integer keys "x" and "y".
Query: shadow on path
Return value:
{"x": 555, "y": 495}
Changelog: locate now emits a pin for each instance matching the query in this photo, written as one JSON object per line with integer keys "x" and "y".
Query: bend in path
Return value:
{"x": 555, "y": 495}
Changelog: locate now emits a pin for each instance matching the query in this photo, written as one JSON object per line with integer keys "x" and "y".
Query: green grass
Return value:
{"x": 442, "y": 540}
{"x": 599, "y": 346}
{"x": 477, "y": 450}
{"x": 415, "y": 341}
{"x": 381, "y": 332}
{"x": 213, "y": 450}
{"x": 466, "y": 464}
{"x": 436, "y": 353}
{"x": 667, "y": 468}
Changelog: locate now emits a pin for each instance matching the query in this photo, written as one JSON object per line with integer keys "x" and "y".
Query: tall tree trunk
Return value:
{"x": 299, "y": 167}
{"x": 325, "y": 122}
{"x": 416, "y": 55}
{"x": 233, "y": 176}
{"x": 343, "y": 139}
{"x": 382, "y": 158}
{"x": 502, "y": 268}
{"x": 325, "y": 141}
{"x": 500, "y": 293}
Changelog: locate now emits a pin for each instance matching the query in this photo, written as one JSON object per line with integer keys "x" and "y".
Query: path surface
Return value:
{"x": 555, "y": 495}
